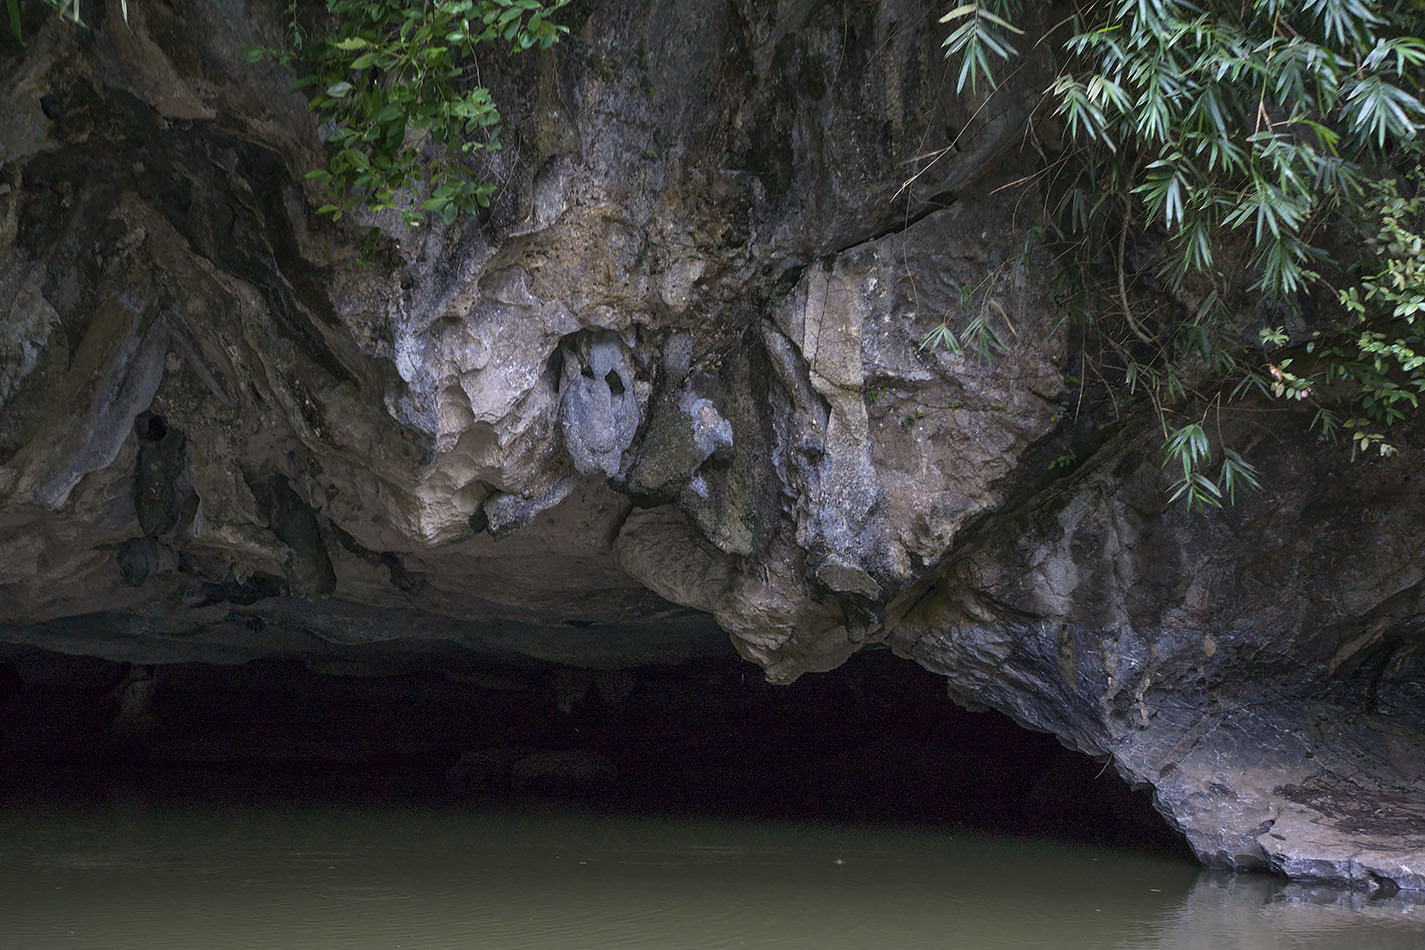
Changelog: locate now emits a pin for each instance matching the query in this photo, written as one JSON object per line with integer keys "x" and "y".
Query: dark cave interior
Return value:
{"x": 875, "y": 741}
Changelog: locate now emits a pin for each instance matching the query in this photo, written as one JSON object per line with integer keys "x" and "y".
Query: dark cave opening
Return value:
{"x": 876, "y": 741}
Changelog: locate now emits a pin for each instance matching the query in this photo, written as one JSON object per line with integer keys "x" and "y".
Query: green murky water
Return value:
{"x": 145, "y": 873}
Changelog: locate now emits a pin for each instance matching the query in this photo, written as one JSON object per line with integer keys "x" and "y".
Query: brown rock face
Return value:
{"x": 669, "y": 391}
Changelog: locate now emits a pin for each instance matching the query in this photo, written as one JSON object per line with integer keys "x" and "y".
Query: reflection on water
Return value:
{"x": 1258, "y": 913}
{"x": 165, "y": 875}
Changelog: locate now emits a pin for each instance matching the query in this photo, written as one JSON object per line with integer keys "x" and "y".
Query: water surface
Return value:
{"x": 142, "y": 872}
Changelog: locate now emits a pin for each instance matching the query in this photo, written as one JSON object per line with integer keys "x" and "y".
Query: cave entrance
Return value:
{"x": 875, "y": 741}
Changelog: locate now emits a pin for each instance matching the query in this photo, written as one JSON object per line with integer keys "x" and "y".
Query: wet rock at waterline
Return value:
{"x": 666, "y": 399}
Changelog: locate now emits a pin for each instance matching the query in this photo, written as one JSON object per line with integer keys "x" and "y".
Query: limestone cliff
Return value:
{"x": 670, "y": 390}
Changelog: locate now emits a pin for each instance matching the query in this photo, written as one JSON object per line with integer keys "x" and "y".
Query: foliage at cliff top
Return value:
{"x": 395, "y": 84}
{"x": 1222, "y": 157}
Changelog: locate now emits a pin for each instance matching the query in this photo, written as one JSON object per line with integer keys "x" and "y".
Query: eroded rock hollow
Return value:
{"x": 669, "y": 391}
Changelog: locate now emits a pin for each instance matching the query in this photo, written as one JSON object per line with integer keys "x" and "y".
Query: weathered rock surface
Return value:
{"x": 1258, "y": 667}
{"x": 670, "y": 391}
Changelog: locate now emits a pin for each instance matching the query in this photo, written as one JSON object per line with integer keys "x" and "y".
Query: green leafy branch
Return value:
{"x": 1375, "y": 352}
{"x": 1215, "y": 150}
{"x": 979, "y": 334}
{"x": 1187, "y": 446}
{"x": 979, "y": 35}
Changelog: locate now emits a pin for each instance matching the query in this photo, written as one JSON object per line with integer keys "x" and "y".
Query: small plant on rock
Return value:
{"x": 396, "y": 84}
